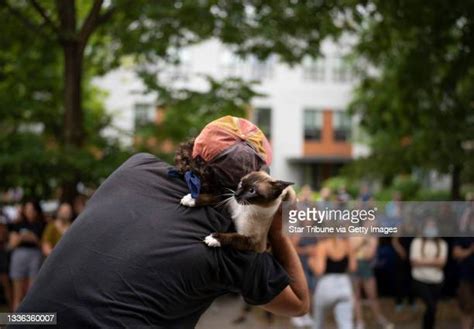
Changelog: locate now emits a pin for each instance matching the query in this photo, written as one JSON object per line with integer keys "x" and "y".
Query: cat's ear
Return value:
{"x": 281, "y": 184}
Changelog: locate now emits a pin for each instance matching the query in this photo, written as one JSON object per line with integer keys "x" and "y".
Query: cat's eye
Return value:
{"x": 252, "y": 190}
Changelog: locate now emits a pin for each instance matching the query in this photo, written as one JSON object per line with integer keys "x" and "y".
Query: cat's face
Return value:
{"x": 259, "y": 188}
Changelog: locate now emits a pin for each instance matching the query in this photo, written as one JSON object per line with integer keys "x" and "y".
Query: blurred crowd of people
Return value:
{"x": 342, "y": 270}
{"x": 344, "y": 273}
{"x": 28, "y": 234}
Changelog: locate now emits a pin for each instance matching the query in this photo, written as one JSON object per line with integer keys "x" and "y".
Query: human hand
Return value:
{"x": 14, "y": 240}
{"x": 276, "y": 228}
{"x": 28, "y": 236}
{"x": 402, "y": 254}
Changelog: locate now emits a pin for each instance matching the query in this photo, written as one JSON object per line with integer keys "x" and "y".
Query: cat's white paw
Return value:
{"x": 211, "y": 241}
{"x": 188, "y": 201}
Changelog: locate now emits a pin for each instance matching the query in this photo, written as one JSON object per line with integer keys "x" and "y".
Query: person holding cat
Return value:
{"x": 135, "y": 256}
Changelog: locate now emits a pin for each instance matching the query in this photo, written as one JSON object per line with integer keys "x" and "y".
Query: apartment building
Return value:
{"x": 303, "y": 111}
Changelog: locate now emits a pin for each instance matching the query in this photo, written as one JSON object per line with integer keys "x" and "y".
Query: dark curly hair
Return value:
{"x": 184, "y": 161}
{"x": 224, "y": 171}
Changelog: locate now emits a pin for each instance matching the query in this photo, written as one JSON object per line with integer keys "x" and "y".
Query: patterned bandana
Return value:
{"x": 221, "y": 134}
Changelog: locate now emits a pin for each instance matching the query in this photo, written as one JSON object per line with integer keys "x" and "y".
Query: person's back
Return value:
{"x": 332, "y": 261}
{"x": 135, "y": 258}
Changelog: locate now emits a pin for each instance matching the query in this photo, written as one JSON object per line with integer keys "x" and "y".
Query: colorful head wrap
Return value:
{"x": 221, "y": 134}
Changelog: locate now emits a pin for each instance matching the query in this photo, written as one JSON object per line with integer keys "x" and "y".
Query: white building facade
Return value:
{"x": 303, "y": 110}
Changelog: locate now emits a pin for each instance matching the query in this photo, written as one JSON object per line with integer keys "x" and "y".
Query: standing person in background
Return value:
{"x": 365, "y": 249}
{"x": 56, "y": 228}
{"x": 428, "y": 256}
{"x": 466, "y": 223}
{"x": 342, "y": 195}
{"x": 4, "y": 279}
{"x": 26, "y": 256}
{"x": 401, "y": 245}
{"x": 332, "y": 261}
{"x": 394, "y": 207}
{"x": 403, "y": 276}
{"x": 393, "y": 211}
{"x": 364, "y": 193}
{"x": 79, "y": 205}
{"x": 403, "y": 273}
{"x": 305, "y": 247}
{"x": 463, "y": 252}
{"x": 324, "y": 200}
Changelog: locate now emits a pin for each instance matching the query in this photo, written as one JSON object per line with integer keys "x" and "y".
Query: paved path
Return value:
{"x": 228, "y": 308}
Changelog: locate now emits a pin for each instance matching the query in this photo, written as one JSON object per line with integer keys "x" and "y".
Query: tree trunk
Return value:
{"x": 387, "y": 180}
{"x": 73, "y": 116}
{"x": 456, "y": 182}
{"x": 73, "y": 124}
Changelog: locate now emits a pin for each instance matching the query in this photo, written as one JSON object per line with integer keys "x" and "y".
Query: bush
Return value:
{"x": 430, "y": 195}
{"x": 385, "y": 194}
{"x": 407, "y": 186}
{"x": 336, "y": 182}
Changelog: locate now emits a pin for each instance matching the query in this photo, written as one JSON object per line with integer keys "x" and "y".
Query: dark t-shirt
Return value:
{"x": 466, "y": 266}
{"x": 135, "y": 258}
{"x": 405, "y": 242}
{"x": 36, "y": 228}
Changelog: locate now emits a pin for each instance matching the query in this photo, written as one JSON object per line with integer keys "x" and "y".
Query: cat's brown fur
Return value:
{"x": 252, "y": 206}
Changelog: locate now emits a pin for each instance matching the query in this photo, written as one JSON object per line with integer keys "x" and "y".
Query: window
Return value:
{"x": 263, "y": 119}
{"x": 230, "y": 64}
{"x": 342, "y": 126}
{"x": 260, "y": 70}
{"x": 313, "y": 124}
{"x": 181, "y": 68}
{"x": 31, "y": 127}
{"x": 143, "y": 114}
{"x": 314, "y": 70}
{"x": 341, "y": 71}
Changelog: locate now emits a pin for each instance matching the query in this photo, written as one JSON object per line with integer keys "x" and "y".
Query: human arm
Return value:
{"x": 13, "y": 240}
{"x": 46, "y": 248}
{"x": 46, "y": 240}
{"x": 317, "y": 262}
{"x": 373, "y": 243}
{"x": 28, "y": 236}
{"x": 294, "y": 299}
{"x": 460, "y": 252}
{"x": 399, "y": 248}
{"x": 417, "y": 259}
{"x": 366, "y": 246}
{"x": 352, "y": 266}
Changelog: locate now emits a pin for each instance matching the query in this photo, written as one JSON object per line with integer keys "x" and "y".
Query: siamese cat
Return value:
{"x": 252, "y": 207}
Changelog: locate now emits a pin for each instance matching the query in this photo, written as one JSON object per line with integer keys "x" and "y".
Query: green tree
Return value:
{"x": 186, "y": 111}
{"x": 85, "y": 38}
{"x": 416, "y": 98}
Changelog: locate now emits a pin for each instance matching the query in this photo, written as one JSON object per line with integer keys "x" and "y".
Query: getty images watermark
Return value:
{"x": 434, "y": 219}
